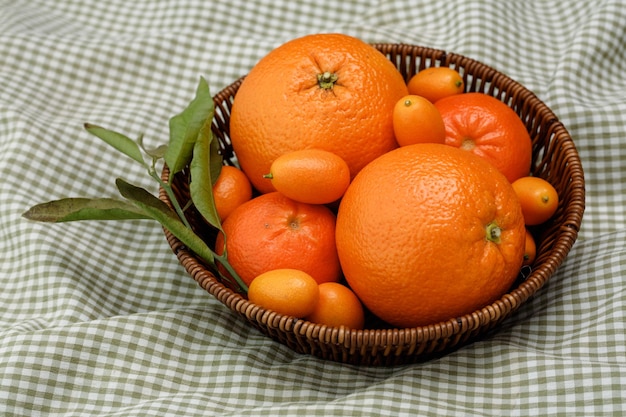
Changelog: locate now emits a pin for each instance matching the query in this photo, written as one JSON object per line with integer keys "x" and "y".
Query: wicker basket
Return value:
{"x": 554, "y": 158}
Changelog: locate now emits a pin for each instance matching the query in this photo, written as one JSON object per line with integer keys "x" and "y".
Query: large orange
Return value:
{"x": 274, "y": 232}
{"x": 484, "y": 125}
{"x": 429, "y": 232}
{"x": 327, "y": 91}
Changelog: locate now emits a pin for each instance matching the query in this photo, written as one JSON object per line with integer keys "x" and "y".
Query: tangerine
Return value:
{"x": 231, "y": 189}
{"x": 272, "y": 231}
{"x": 487, "y": 127}
{"x": 326, "y": 91}
{"x": 429, "y": 232}
{"x": 337, "y": 306}
{"x": 417, "y": 120}
{"x": 435, "y": 83}
{"x": 313, "y": 176}
{"x": 286, "y": 291}
{"x": 539, "y": 199}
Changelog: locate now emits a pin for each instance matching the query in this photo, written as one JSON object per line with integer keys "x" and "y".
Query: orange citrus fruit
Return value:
{"x": 285, "y": 291}
{"x": 539, "y": 199}
{"x": 489, "y": 128}
{"x": 272, "y": 231}
{"x": 326, "y": 91}
{"x": 231, "y": 189}
{"x": 337, "y": 306}
{"x": 417, "y": 120}
{"x": 435, "y": 83}
{"x": 530, "y": 249}
{"x": 429, "y": 232}
{"x": 312, "y": 176}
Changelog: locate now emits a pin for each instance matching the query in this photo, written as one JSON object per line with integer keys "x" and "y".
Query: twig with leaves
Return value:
{"x": 191, "y": 144}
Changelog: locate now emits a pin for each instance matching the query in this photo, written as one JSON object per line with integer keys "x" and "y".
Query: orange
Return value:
{"x": 429, "y": 232}
{"x": 488, "y": 128}
{"x": 538, "y": 198}
{"x": 417, "y": 120}
{"x": 274, "y": 232}
{"x": 310, "y": 176}
{"x": 530, "y": 249}
{"x": 231, "y": 189}
{"x": 337, "y": 306}
{"x": 326, "y": 91}
{"x": 285, "y": 291}
{"x": 435, "y": 83}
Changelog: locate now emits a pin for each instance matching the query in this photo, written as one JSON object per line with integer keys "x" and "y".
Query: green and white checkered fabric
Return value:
{"x": 98, "y": 318}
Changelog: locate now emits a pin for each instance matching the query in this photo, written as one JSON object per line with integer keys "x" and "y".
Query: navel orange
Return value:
{"x": 487, "y": 127}
{"x": 272, "y": 231}
{"x": 429, "y": 232}
{"x": 327, "y": 91}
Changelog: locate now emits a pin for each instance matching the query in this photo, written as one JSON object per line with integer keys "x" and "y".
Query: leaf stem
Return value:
{"x": 170, "y": 193}
{"x": 222, "y": 259}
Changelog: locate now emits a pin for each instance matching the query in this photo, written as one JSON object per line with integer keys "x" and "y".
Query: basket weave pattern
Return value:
{"x": 554, "y": 158}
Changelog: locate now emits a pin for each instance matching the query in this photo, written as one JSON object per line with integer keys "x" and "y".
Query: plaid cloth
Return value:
{"x": 98, "y": 318}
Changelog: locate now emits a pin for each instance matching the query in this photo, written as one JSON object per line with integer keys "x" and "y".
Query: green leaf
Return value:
{"x": 162, "y": 213}
{"x": 74, "y": 209}
{"x": 215, "y": 158}
{"x": 117, "y": 140}
{"x": 155, "y": 153}
{"x": 200, "y": 186}
{"x": 185, "y": 127}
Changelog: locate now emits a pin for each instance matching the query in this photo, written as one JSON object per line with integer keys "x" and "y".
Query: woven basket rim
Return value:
{"x": 415, "y": 342}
